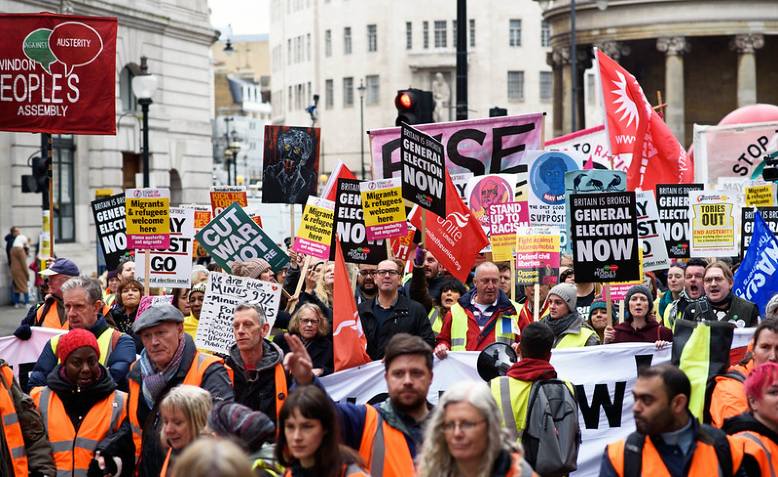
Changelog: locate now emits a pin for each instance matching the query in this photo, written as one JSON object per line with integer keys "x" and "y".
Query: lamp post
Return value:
{"x": 361, "y": 88}
{"x": 143, "y": 87}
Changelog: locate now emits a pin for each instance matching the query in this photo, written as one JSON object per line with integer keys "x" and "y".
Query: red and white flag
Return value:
{"x": 349, "y": 344}
{"x": 634, "y": 128}
{"x": 341, "y": 171}
{"x": 456, "y": 239}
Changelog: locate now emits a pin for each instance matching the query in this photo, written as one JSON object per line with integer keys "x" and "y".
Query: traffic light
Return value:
{"x": 497, "y": 111}
{"x": 414, "y": 106}
{"x": 39, "y": 180}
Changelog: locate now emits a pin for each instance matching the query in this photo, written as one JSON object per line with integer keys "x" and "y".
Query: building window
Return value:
{"x": 425, "y": 34}
{"x": 454, "y": 33}
{"x": 63, "y": 175}
{"x": 440, "y": 34}
{"x": 348, "y": 92}
{"x": 514, "y": 33}
{"x": 347, "y": 40}
{"x": 328, "y": 43}
{"x": 290, "y": 103}
{"x": 308, "y": 47}
{"x": 372, "y": 38}
{"x": 372, "y": 95}
{"x": 546, "y": 86}
{"x": 515, "y": 86}
{"x": 545, "y": 34}
{"x": 591, "y": 96}
{"x": 288, "y": 51}
{"x": 472, "y": 33}
{"x": 129, "y": 102}
{"x": 408, "y": 35}
{"x": 329, "y": 94}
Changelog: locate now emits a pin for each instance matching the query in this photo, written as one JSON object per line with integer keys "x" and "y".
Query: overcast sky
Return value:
{"x": 247, "y": 17}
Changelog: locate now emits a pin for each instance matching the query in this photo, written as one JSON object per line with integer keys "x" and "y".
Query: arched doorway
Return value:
{"x": 175, "y": 188}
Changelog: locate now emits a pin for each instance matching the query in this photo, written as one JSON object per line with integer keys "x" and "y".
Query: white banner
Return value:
{"x": 22, "y": 355}
{"x": 171, "y": 267}
{"x": 652, "y": 233}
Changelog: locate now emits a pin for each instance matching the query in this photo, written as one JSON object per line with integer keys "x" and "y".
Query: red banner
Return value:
{"x": 58, "y": 74}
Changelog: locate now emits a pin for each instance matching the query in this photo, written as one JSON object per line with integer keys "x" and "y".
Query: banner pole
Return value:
{"x": 606, "y": 289}
{"x": 536, "y": 306}
{"x": 388, "y": 243}
{"x": 50, "y": 175}
{"x": 423, "y": 227}
{"x": 513, "y": 278}
{"x": 303, "y": 273}
{"x": 146, "y": 271}
{"x": 291, "y": 223}
{"x": 621, "y": 311}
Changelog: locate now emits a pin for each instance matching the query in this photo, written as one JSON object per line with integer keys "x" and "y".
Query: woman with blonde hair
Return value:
{"x": 464, "y": 437}
{"x": 313, "y": 328}
{"x": 184, "y": 413}
{"x": 211, "y": 457}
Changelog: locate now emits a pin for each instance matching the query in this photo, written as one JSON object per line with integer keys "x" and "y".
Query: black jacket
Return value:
{"x": 320, "y": 349}
{"x": 290, "y": 285}
{"x": 738, "y": 310}
{"x": 124, "y": 323}
{"x": 408, "y": 317}
{"x": 257, "y": 389}
{"x": 747, "y": 422}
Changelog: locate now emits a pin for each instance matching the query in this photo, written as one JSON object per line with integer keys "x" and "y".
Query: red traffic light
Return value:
{"x": 403, "y": 100}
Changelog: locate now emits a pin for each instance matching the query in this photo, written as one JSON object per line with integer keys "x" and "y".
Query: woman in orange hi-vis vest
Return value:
{"x": 184, "y": 412}
{"x": 309, "y": 442}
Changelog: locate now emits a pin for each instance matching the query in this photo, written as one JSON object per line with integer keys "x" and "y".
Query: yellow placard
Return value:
{"x": 101, "y": 193}
{"x": 148, "y": 218}
{"x": 383, "y": 208}
{"x": 502, "y": 247}
{"x": 315, "y": 231}
{"x": 762, "y": 195}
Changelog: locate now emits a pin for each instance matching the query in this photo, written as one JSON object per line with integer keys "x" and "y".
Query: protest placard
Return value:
{"x": 349, "y": 227}
{"x": 460, "y": 183}
{"x": 172, "y": 267}
{"x": 547, "y": 188}
{"x": 148, "y": 218}
{"x": 651, "y": 233}
{"x": 151, "y": 300}
{"x": 383, "y": 208}
{"x": 111, "y": 228}
{"x": 484, "y": 191}
{"x": 760, "y": 195}
{"x": 589, "y": 182}
{"x": 593, "y": 143}
{"x": 232, "y": 235}
{"x": 672, "y": 201}
{"x": 537, "y": 255}
{"x": 504, "y": 222}
{"x": 604, "y": 234}
{"x": 315, "y": 232}
{"x": 202, "y": 215}
{"x": 403, "y": 246}
{"x": 712, "y": 217}
{"x": 290, "y": 164}
{"x": 732, "y": 150}
{"x": 481, "y": 146}
{"x": 423, "y": 174}
{"x": 223, "y": 196}
{"x": 222, "y": 294}
{"x": 770, "y": 216}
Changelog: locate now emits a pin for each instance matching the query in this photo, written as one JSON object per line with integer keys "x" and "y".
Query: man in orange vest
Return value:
{"x": 169, "y": 358}
{"x": 50, "y": 313}
{"x": 81, "y": 407}
{"x": 24, "y": 448}
{"x": 669, "y": 441}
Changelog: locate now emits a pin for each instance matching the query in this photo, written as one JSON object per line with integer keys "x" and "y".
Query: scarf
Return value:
{"x": 559, "y": 325}
{"x": 532, "y": 369}
{"x": 723, "y": 304}
{"x": 153, "y": 383}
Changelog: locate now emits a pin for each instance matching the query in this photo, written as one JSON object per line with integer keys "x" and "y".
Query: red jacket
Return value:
{"x": 476, "y": 342}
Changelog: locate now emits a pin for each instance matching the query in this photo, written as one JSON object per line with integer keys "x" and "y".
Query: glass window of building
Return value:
{"x": 472, "y": 33}
{"x": 329, "y": 94}
{"x": 372, "y": 38}
{"x": 348, "y": 92}
{"x": 372, "y": 95}
{"x": 347, "y": 40}
{"x": 514, "y": 32}
{"x": 408, "y": 35}
{"x": 546, "y": 86}
{"x": 328, "y": 43}
{"x": 515, "y": 86}
{"x": 426, "y": 34}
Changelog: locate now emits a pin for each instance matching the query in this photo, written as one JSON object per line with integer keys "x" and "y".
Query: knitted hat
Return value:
{"x": 771, "y": 310}
{"x": 566, "y": 291}
{"x": 598, "y": 304}
{"x": 74, "y": 339}
{"x": 112, "y": 274}
{"x": 643, "y": 290}
{"x": 252, "y": 428}
{"x": 200, "y": 287}
{"x": 251, "y": 268}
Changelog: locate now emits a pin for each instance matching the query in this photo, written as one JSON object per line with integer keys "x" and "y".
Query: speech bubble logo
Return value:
{"x": 75, "y": 44}
{"x": 36, "y": 48}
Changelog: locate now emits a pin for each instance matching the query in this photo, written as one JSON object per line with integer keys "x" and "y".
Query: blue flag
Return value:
{"x": 756, "y": 279}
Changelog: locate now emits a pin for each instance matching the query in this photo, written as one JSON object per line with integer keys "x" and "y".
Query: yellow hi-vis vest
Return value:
{"x": 503, "y": 329}
{"x": 575, "y": 340}
{"x": 436, "y": 320}
{"x": 104, "y": 342}
{"x": 512, "y": 396}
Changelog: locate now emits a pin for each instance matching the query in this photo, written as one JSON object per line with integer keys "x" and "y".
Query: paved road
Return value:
{"x": 10, "y": 318}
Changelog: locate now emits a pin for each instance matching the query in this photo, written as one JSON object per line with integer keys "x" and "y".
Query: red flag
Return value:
{"x": 456, "y": 239}
{"x": 635, "y": 128}
{"x": 348, "y": 340}
{"x": 341, "y": 171}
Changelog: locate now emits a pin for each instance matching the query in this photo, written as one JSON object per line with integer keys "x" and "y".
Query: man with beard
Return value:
{"x": 692, "y": 291}
{"x": 434, "y": 275}
{"x": 669, "y": 441}
{"x": 366, "y": 287}
{"x": 719, "y": 303}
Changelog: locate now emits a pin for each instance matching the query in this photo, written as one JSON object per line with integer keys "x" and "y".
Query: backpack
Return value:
{"x": 711, "y": 385}
{"x": 552, "y": 435}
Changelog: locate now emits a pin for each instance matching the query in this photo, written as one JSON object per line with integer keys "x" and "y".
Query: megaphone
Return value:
{"x": 495, "y": 361}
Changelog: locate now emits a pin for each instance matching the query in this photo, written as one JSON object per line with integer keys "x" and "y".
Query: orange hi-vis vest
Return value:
{"x": 383, "y": 448}
{"x": 764, "y": 450}
{"x": 351, "y": 470}
{"x": 705, "y": 462}
{"x": 52, "y": 319}
{"x": 10, "y": 424}
{"x": 73, "y": 450}
{"x": 200, "y": 363}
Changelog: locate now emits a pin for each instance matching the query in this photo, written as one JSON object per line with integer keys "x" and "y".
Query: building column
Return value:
{"x": 614, "y": 49}
{"x": 557, "y": 59}
{"x": 746, "y": 46}
{"x": 674, "y": 48}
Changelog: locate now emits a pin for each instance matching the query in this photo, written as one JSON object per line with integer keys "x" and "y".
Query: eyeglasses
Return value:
{"x": 387, "y": 272}
{"x": 466, "y": 426}
{"x": 714, "y": 279}
{"x": 310, "y": 322}
{"x": 365, "y": 273}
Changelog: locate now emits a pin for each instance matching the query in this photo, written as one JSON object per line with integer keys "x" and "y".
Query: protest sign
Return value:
{"x": 651, "y": 233}
{"x": 537, "y": 255}
{"x": 223, "y": 196}
{"x": 58, "y": 73}
{"x": 672, "y": 202}
{"x": 315, "y": 232}
{"x": 547, "y": 188}
{"x": 460, "y": 183}
{"x": 756, "y": 279}
{"x": 484, "y": 191}
{"x": 172, "y": 267}
{"x": 760, "y": 195}
{"x": 593, "y": 143}
{"x": 423, "y": 174}
{"x": 222, "y": 294}
{"x": 769, "y": 215}
{"x": 111, "y": 228}
{"x": 403, "y": 246}
{"x": 349, "y": 228}
{"x": 202, "y": 215}
{"x": 148, "y": 218}
{"x": 504, "y": 222}
{"x": 383, "y": 208}
{"x": 480, "y": 146}
{"x": 232, "y": 235}
{"x": 712, "y": 217}
{"x": 588, "y": 182}
{"x": 22, "y": 355}
{"x": 733, "y": 149}
{"x": 151, "y": 300}
{"x": 604, "y": 234}
{"x": 290, "y": 164}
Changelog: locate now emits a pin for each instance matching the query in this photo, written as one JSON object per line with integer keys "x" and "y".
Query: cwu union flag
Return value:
{"x": 756, "y": 279}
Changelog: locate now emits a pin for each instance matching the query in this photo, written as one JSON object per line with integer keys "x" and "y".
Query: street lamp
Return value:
{"x": 143, "y": 87}
{"x": 361, "y": 88}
